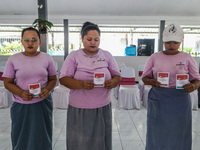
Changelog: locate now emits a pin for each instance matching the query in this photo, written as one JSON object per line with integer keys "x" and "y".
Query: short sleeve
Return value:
{"x": 69, "y": 66}
{"x": 9, "y": 71}
{"x": 51, "y": 67}
{"x": 148, "y": 72}
{"x": 193, "y": 71}
{"x": 112, "y": 65}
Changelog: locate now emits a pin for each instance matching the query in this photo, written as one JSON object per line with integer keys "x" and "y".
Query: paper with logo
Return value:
{"x": 140, "y": 73}
{"x": 35, "y": 89}
{"x": 99, "y": 79}
{"x": 163, "y": 78}
{"x": 181, "y": 79}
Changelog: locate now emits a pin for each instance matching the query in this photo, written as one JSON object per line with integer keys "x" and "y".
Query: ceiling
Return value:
{"x": 103, "y": 11}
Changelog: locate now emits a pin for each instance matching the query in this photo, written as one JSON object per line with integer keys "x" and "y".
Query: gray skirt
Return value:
{"x": 169, "y": 120}
{"x": 89, "y": 129}
{"x": 32, "y": 125}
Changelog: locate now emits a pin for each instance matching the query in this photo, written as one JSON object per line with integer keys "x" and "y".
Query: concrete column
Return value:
{"x": 43, "y": 14}
{"x": 66, "y": 37}
{"x": 160, "y": 42}
{"x": 199, "y": 87}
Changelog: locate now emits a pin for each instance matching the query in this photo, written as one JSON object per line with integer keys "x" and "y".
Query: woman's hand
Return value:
{"x": 151, "y": 81}
{"x": 87, "y": 85}
{"x": 154, "y": 83}
{"x": 43, "y": 94}
{"x": 26, "y": 96}
{"x": 190, "y": 87}
{"x": 110, "y": 84}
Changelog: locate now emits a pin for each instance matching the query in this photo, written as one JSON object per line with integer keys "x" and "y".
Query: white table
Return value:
{"x": 5, "y": 97}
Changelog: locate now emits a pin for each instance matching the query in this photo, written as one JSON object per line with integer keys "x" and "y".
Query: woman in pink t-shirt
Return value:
{"x": 169, "y": 120}
{"x": 89, "y": 117}
{"x": 30, "y": 76}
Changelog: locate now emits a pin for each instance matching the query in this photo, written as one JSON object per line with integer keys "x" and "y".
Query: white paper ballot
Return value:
{"x": 35, "y": 89}
{"x": 181, "y": 79}
{"x": 99, "y": 79}
{"x": 163, "y": 78}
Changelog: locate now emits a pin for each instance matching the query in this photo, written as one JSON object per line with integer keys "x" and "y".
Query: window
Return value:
{"x": 113, "y": 38}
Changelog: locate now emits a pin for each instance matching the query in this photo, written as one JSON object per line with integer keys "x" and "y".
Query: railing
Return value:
{"x": 50, "y": 51}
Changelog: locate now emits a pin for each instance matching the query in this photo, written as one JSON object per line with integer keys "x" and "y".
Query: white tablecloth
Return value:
{"x": 5, "y": 97}
{"x": 141, "y": 88}
{"x": 129, "y": 97}
{"x": 116, "y": 92}
{"x": 60, "y": 97}
{"x": 145, "y": 95}
{"x": 194, "y": 100}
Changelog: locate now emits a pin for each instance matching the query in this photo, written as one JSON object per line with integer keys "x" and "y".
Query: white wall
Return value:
{"x": 4, "y": 58}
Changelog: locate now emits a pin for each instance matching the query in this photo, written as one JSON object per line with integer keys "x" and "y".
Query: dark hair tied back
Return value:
{"x": 87, "y": 26}
{"x": 30, "y": 29}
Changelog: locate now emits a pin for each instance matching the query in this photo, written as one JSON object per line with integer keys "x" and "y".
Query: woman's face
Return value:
{"x": 172, "y": 47}
{"x": 91, "y": 42}
{"x": 31, "y": 42}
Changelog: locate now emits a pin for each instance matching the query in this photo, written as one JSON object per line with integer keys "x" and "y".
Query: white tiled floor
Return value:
{"x": 129, "y": 129}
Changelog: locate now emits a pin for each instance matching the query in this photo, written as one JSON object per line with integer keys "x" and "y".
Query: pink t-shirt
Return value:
{"x": 81, "y": 66}
{"x": 29, "y": 70}
{"x": 181, "y": 63}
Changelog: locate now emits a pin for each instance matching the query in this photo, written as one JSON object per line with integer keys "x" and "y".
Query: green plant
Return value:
{"x": 1, "y": 48}
{"x": 42, "y": 25}
{"x": 187, "y": 49}
{"x": 13, "y": 45}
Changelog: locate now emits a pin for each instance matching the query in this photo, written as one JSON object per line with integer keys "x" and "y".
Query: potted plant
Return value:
{"x": 42, "y": 25}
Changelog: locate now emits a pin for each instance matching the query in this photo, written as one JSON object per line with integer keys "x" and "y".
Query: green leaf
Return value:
{"x": 42, "y": 23}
